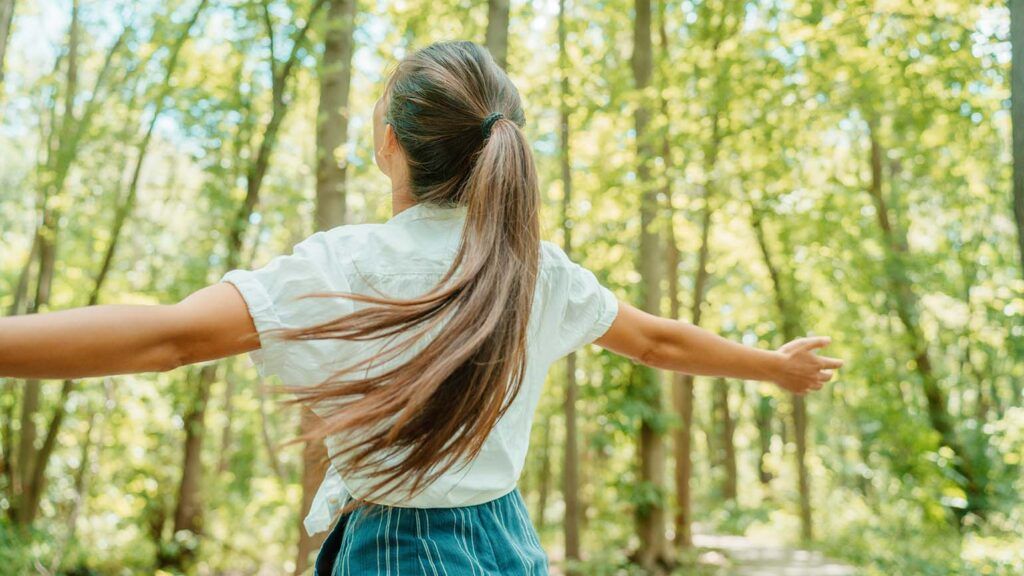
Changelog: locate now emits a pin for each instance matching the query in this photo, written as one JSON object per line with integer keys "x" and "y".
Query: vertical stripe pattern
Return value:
{"x": 489, "y": 539}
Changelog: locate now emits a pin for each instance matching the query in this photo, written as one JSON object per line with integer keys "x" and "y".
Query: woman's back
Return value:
{"x": 405, "y": 258}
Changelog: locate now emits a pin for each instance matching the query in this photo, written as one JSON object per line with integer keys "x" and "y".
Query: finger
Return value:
{"x": 824, "y": 375}
{"x": 814, "y": 342}
{"x": 827, "y": 362}
{"x": 816, "y": 386}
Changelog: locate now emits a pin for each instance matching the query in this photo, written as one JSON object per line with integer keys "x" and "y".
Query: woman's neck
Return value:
{"x": 401, "y": 199}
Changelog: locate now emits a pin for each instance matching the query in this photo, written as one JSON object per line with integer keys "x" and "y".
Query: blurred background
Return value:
{"x": 764, "y": 168}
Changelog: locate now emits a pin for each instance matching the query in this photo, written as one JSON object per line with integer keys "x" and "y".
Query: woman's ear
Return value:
{"x": 390, "y": 140}
{"x": 391, "y": 149}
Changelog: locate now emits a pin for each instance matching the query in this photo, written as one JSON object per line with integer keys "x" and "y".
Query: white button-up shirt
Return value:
{"x": 405, "y": 257}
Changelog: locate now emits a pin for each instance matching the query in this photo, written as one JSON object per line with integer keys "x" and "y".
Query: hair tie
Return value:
{"x": 493, "y": 117}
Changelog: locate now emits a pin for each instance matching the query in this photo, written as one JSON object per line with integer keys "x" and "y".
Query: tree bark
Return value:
{"x": 790, "y": 317}
{"x": 314, "y": 466}
{"x": 652, "y": 553}
{"x": 570, "y": 476}
{"x": 333, "y": 114}
{"x": 543, "y": 475}
{"x": 497, "y": 31}
{"x": 268, "y": 442}
{"x": 332, "y": 162}
{"x": 6, "y": 19}
{"x": 803, "y": 477}
{"x": 726, "y": 445}
{"x": 1017, "y": 118}
{"x": 227, "y": 434}
{"x": 684, "y": 391}
{"x": 763, "y": 418}
{"x": 188, "y": 514}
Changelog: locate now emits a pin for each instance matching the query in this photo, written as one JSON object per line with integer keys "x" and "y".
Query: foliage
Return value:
{"x": 801, "y": 90}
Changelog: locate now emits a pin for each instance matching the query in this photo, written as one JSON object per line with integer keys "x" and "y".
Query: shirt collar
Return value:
{"x": 423, "y": 210}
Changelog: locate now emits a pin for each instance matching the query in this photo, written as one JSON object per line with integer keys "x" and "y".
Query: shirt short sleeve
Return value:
{"x": 272, "y": 294}
{"x": 588, "y": 307}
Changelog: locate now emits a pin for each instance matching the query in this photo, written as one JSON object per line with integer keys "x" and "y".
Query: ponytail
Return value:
{"x": 407, "y": 425}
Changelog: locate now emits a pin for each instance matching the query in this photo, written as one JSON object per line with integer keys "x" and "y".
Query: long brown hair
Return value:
{"x": 435, "y": 409}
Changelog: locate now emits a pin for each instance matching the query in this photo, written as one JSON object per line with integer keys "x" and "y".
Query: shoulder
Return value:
{"x": 553, "y": 258}
{"x": 387, "y": 249}
{"x": 350, "y": 236}
{"x": 353, "y": 243}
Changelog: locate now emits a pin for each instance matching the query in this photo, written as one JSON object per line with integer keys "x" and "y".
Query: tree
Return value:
{"x": 1017, "y": 114}
{"x": 570, "y": 478}
{"x": 6, "y": 18}
{"x": 906, "y": 305}
{"x": 497, "y": 30}
{"x": 188, "y": 510}
{"x": 653, "y": 550}
{"x": 31, "y": 462}
{"x": 332, "y": 160}
{"x": 789, "y": 315}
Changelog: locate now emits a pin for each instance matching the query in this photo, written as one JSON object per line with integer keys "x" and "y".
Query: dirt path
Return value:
{"x": 744, "y": 556}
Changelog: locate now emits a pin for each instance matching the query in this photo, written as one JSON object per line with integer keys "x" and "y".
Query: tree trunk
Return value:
{"x": 570, "y": 476}
{"x": 6, "y": 19}
{"x": 685, "y": 389}
{"x": 1017, "y": 118}
{"x": 227, "y": 434}
{"x": 258, "y": 169}
{"x": 314, "y": 466}
{"x": 725, "y": 440}
{"x": 652, "y": 553}
{"x": 544, "y": 475}
{"x": 23, "y": 512}
{"x": 268, "y": 442}
{"x": 188, "y": 512}
{"x": 125, "y": 207}
{"x": 34, "y": 488}
{"x": 24, "y": 278}
{"x": 803, "y": 478}
{"x": 497, "y": 31}
{"x": 332, "y": 161}
{"x": 31, "y": 464}
{"x": 333, "y": 114}
{"x": 907, "y": 305}
{"x": 790, "y": 317}
{"x": 80, "y": 483}
{"x": 682, "y": 403}
{"x": 763, "y": 417}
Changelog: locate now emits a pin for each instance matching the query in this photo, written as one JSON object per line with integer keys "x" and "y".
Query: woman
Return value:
{"x": 423, "y": 342}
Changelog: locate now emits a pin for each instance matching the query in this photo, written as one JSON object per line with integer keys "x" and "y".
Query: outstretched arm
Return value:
{"x": 682, "y": 347}
{"x": 121, "y": 339}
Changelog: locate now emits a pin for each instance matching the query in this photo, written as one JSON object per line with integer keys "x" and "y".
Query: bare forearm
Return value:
{"x": 89, "y": 341}
{"x": 211, "y": 323}
{"x": 689, "y": 349}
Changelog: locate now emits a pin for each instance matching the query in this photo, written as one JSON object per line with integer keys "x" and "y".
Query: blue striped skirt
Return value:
{"x": 489, "y": 539}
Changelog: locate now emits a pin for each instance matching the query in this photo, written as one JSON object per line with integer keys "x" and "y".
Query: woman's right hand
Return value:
{"x": 800, "y": 370}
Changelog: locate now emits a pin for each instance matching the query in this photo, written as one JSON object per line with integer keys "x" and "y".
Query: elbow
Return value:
{"x": 169, "y": 357}
{"x": 655, "y": 352}
{"x": 172, "y": 364}
{"x": 666, "y": 350}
